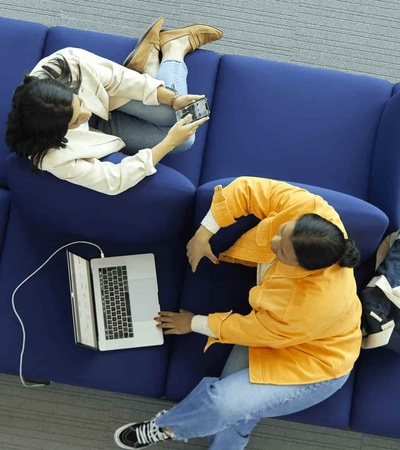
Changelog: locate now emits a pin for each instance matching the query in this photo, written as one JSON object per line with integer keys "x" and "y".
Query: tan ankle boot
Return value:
{"x": 137, "y": 59}
{"x": 198, "y": 35}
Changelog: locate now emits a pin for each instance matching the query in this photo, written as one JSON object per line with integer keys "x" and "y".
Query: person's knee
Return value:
{"x": 220, "y": 402}
{"x": 185, "y": 146}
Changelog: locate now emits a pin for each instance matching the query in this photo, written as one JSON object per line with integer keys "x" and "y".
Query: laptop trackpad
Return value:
{"x": 144, "y": 299}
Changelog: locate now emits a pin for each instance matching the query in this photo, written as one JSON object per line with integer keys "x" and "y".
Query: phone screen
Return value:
{"x": 198, "y": 110}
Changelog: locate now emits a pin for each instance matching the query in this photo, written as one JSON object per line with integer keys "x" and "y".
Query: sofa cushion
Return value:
{"x": 332, "y": 412}
{"x": 153, "y": 217}
{"x": 202, "y": 67}
{"x": 135, "y": 215}
{"x": 375, "y": 407}
{"x": 45, "y": 307}
{"x": 294, "y": 123}
{"x": 384, "y": 178}
{"x": 4, "y": 212}
{"x": 22, "y": 48}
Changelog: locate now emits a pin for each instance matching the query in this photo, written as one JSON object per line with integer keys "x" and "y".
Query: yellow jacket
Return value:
{"x": 305, "y": 325}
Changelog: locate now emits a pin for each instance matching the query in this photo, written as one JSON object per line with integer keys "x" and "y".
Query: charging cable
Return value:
{"x": 29, "y": 382}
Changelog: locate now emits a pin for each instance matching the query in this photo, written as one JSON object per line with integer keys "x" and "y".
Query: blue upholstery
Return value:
{"x": 309, "y": 125}
{"x": 333, "y": 412}
{"x": 333, "y": 133}
{"x": 4, "y": 212}
{"x": 375, "y": 407}
{"x": 21, "y": 48}
{"x": 384, "y": 191}
{"x": 125, "y": 224}
{"x": 45, "y": 308}
{"x": 133, "y": 216}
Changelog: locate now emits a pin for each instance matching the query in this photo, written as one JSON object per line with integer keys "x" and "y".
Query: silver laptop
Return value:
{"x": 114, "y": 301}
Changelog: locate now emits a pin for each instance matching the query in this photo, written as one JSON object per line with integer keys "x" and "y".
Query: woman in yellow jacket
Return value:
{"x": 300, "y": 341}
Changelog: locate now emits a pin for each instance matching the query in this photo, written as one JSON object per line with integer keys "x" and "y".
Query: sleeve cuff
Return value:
{"x": 146, "y": 156}
{"x": 200, "y": 325}
{"x": 210, "y": 223}
{"x": 150, "y": 91}
{"x": 220, "y": 209}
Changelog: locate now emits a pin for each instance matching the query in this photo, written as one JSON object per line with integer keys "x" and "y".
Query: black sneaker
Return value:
{"x": 140, "y": 434}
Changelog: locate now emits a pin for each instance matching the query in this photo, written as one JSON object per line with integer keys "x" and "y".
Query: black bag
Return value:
{"x": 381, "y": 299}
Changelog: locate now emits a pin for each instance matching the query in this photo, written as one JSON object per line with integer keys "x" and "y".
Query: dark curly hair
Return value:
{"x": 319, "y": 243}
{"x": 41, "y": 111}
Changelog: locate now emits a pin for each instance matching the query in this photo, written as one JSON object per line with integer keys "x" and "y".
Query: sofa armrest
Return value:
{"x": 21, "y": 48}
{"x": 385, "y": 165}
{"x": 365, "y": 223}
{"x": 157, "y": 209}
{"x": 4, "y": 213}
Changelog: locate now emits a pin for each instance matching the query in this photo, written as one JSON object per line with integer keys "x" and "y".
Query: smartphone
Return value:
{"x": 198, "y": 110}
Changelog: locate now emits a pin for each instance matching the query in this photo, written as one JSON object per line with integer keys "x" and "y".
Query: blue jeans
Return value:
{"x": 228, "y": 408}
{"x": 143, "y": 126}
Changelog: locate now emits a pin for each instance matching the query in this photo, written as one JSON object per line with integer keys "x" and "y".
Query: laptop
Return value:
{"x": 114, "y": 301}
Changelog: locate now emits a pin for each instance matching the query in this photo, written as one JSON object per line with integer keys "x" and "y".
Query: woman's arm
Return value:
{"x": 261, "y": 197}
{"x": 176, "y": 136}
{"x": 257, "y": 329}
{"x": 229, "y": 203}
{"x": 112, "y": 179}
{"x": 104, "y": 176}
{"x": 244, "y": 196}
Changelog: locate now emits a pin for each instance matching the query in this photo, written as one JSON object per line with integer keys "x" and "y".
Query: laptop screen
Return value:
{"x": 82, "y": 300}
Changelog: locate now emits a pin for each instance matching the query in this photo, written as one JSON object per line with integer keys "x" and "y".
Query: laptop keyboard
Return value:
{"x": 116, "y": 305}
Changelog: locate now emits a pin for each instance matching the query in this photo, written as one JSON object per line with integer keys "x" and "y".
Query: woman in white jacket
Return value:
{"x": 60, "y": 107}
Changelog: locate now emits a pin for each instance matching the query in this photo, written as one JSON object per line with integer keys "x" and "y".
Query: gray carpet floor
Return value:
{"x": 360, "y": 36}
{"x": 352, "y": 36}
{"x": 60, "y": 417}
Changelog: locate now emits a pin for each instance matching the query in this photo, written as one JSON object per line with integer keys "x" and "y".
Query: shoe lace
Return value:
{"x": 149, "y": 433}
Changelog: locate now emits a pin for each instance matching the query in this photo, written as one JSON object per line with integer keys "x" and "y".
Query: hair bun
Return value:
{"x": 351, "y": 256}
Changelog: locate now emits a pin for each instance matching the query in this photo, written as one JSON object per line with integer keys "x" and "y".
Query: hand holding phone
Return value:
{"x": 197, "y": 109}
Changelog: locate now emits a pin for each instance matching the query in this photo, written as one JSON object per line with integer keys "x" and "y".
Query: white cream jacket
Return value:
{"x": 105, "y": 86}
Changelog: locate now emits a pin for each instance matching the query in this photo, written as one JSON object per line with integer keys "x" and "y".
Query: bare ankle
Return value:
{"x": 152, "y": 64}
{"x": 176, "y": 49}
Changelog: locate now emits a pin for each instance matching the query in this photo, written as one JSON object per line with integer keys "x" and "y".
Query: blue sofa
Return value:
{"x": 336, "y": 134}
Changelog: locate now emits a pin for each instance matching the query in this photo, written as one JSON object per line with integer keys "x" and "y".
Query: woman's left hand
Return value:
{"x": 184, "y": 100}
{"x": 175, "y": 323}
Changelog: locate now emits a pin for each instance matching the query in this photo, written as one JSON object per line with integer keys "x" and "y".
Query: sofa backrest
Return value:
{"x": 315, "y": 126}
{"x": 385, "y": 164}
{"x": 22, "y": 48}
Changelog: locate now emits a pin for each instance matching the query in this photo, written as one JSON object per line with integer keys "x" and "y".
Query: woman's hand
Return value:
{"x": 175, "y": 323}
{"x": 199, "y": 246}
{"x": 182, "y": 130}
{"x": 176, "y": 136}
{"x": 184, "y": 100}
